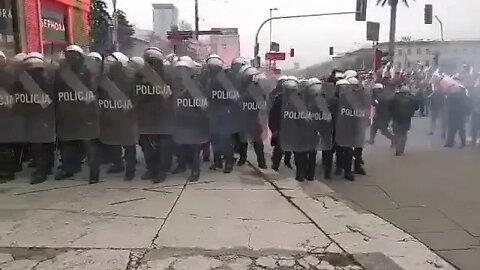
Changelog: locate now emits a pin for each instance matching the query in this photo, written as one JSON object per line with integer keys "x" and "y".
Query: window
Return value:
{"x": 7, "y": 35}
{"x": 427, "y": 63}
{"x": 427, "y": 51}
{"x": 400, "y": 51}
{"x": 409, "y": 65}
{"x": 409, "y": 51}
{"x": 419, "y": 51}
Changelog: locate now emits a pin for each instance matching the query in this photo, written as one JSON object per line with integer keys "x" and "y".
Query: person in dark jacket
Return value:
{"x": 458, "y": 111}
{"x": 437, "y": 103}
{"x": 402, "y": 109}
{"x": 381, "y": 119}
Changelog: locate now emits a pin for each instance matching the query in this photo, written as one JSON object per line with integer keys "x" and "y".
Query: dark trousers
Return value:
{"x": 11, "y": 157}
{"x": 475, "y": 127}
{"x": 401, "y": 133}
{"x": 376, "y": 126}
{"x": 305, "y": 163}
{"x": 115, "y": 155}
{"x": 327, "y": 161}
{"x": 223, "y": 148}
{"x": 189, "y": 153}
{"x": 43, "y": 157}
{"x": 72, "y": 156}
{"x": 344, "y": 159}
{"x": 157, "y": 150}
{"x": 456, "y": 126}
{"x": 259, "y": 151}
{"x": 358, "y": 155}
{"x": 205, "y": 148}
{"x": 277, "y": 155}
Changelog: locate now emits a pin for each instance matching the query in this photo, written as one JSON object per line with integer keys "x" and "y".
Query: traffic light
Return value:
{"x": 436, "y": 58}
{"x": 428, "y": 14}
{"x": 330, "y": 52}
{"x": 292, "y": 52}
{"x": 361, "y": 10}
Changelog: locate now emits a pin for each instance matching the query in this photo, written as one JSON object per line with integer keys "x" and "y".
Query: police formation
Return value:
{"x": 96, "y": 110}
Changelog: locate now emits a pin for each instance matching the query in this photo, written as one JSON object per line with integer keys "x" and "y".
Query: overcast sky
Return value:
{"x": 311, "y": 37}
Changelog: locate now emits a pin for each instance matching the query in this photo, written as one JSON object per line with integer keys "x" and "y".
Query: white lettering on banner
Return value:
{"x": 6, "y": 100}
{"x": 192, "y": 102}
{"x": 87, "y": 96}
{"x": 33, "y": 99}
{"x": 157, "y": 90}
{"x": 224, "y": 94}
{"x": 115, "y": 104}
{"x": 317, "y": 116}
{"x": 51, "y": 24}
{"x": 6, "y": 13}
{"x": 254, "y": 106}
{"x": 353, "y": 113}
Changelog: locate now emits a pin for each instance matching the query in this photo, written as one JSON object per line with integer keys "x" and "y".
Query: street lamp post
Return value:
{"x": 441, "y": 26}
{"x": 270, "y": 37}
{"x": 115, "y": 26}
{"x": 256, "y": 48}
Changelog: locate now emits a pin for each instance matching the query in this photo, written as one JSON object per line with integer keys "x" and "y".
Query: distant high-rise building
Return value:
{"x": 164, "y": 17}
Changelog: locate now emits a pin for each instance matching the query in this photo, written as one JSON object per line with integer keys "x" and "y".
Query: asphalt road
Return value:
{"x": 431, "y": 192}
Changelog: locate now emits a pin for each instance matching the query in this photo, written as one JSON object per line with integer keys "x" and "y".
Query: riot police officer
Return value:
{"x": 403, "y": 107}
{"x": 156, "y": 105}
{"x": 77, "y": 115}
{"x": 36, "y": 104}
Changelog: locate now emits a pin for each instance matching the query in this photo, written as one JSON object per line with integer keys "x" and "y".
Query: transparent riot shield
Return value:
{"x": 77, "y": 112}
{"x": 154, "y": 99}
{"x": 320, "y": 98}
{"x": 191, "y": 108}
{"x": 353, "y": 116}
{"x": 11, "y": 120}
{"x": 296, "y": 133}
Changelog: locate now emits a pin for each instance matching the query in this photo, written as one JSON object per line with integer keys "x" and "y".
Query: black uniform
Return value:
{"x": 402, "y": 109}
{"x": 459, "y": 107}
{"x": 274, "y": 123}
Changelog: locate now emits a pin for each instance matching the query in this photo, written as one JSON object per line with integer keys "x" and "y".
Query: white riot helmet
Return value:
{"x": 75, "y": 48}
{"x": 350, "y": 73}
{"x": 339, "y": 75}
{"x": 378, "y": 86}
{"x": 34, "y": 60}
{"x": 313, "y": 81}
{"x": 290, "y": 82}
{"x": 353, "y": 81}
{"x": 343, "y": 82}
{"x": 19, "y": 57}
{"x": 95, "y": 55}
{"x": 118, "y": 57}
{"x": 185, "y": 63}
{"x": 3, "y": 58}
{"x": 153, "y": 53}
{"x": 214, "y": 60}
{"x": 137, "y": 62}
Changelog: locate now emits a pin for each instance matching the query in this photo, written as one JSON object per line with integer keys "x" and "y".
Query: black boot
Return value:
{"x": 148, "y": 175}
{"x": 327, "y": 174}
{"x": 94, "y": 176}
{"x": 160, "y": 178}
{"x": 194, "y": 176}
{"x": 62, "y": 175}
{"x": 129, "y": 175}
{"x": 241, "y": 161}
{"x": 359, "y": 169}
{"x": 338, "y": 171}
{"x": 38, "y": 178}
{"x": 349, "y": 177}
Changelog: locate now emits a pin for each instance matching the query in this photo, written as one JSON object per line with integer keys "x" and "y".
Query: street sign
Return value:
{"x": 275, "y": 56}
{"x": 185, "y": 35}
{"x": 274, "y": 47}
{"x": 373, "y": 30}
{"x": 361, "y": 10}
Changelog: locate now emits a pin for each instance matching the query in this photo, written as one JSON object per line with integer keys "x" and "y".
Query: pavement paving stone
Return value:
{"x": 243, "y": 204}
{"x": 448, "y": 240}
{"x": 87, "y": 259}
{"x": 4, "y": 258}
{"x": 63, "y": 229}
{"x": 240, "y": 263}
{"x": 463, "y": 259}
{"x": 188, "y": 231}
{"x": 18, "y": 265}
{"x": 268, "y": 262}
{"x": 162, "y": 264}
{"x": 197, "y": 263}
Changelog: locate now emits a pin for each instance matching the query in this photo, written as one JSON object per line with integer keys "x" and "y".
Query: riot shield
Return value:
{"x": 11, "y": 120}
{"x": 224, "y": 103}
{"x": 191, "y": 108}
{"x": 254, "y": 98}
{"x": 353, "y": 116}
{"x": 155, "y": 101}
{"x": 296, "y": 132}
{"x": 34, "y": 100}
{"x": 320, "y": 99}
{"x": 118, "y": 117}
{"x": 77, "y": 112}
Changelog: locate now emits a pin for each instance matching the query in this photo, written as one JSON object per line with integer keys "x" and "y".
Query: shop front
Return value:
{"x": 54, "y": 24}
{"x": 9, "y": 38}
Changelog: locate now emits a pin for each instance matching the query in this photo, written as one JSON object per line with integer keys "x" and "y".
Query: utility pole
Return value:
{"x": 441, "y": 27}
{"x": 115, "y": 26}
{"x": 270, "y": 38}
{"x": 197, "y": 19}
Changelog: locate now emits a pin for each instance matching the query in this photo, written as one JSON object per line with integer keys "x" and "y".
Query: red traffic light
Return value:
{"x": 292, "y": 52}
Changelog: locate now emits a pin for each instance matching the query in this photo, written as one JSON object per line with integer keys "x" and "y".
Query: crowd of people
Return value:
{"x": 96, "y": 109}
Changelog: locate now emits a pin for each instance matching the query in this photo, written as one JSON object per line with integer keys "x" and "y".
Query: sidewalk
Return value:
{"x": 236, "y": 221}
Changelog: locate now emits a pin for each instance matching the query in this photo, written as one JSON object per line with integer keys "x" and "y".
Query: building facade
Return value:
{"x": 11, "y": 28}
{"x": 451, "y": 54}
{"x": 164, "y": 17}
{"x": 227, "y": 45}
